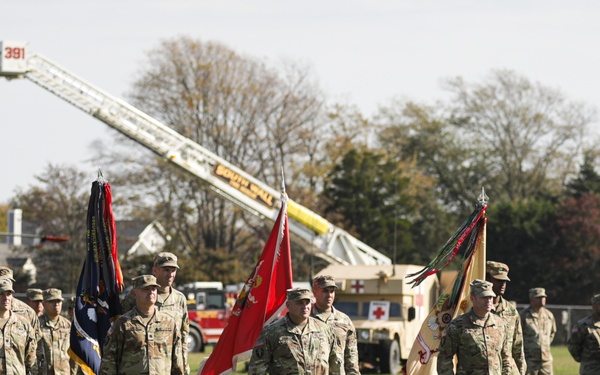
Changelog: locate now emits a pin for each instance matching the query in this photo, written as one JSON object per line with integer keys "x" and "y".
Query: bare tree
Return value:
{"x": 531, "y": 134}
{"x": 255, "y": 116}
{"x": 58, "y": 204}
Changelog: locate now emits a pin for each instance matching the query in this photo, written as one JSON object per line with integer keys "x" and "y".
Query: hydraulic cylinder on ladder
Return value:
{"x": 332, "y": 243}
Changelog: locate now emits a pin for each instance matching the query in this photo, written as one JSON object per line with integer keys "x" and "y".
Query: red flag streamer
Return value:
{"x": 450, "y": 249}
{"x": 261, "y": 301}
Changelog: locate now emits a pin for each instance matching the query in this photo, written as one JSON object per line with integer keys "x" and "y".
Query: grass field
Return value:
{"x": 563, "y": 362}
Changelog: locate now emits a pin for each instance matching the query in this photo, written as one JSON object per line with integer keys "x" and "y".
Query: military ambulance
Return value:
{"x": 387, "y": 313}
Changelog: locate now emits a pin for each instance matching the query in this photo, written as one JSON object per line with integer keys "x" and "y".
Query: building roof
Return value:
{"x": 128, "y": 233}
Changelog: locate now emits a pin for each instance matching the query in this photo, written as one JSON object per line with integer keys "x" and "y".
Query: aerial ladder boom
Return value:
{"x": 330, "y": 242}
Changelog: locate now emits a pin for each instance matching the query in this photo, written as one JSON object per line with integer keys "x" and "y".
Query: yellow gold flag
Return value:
{"x": 453, "y": 302}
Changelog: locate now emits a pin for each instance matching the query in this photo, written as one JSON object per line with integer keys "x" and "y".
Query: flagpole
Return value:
{"x": 480, "y": 261}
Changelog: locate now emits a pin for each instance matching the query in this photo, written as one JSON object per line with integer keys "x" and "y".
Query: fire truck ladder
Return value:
{"x": 334, "y": 244}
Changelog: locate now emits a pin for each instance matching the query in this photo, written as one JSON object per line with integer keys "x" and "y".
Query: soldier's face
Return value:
{"x": 6, "y": 301}
{"x": 538, "y": 302}
{"x": 37, "y": 306}
{"x": 482, "y": 305}
{"x": 53, "y": 308}
{"x": 299, "y": 310}
{"x": 498, "y": 286}
{"x": 165, "y": 276}
{"x": 324, "y": 297}
{"x": 145, "y": 297}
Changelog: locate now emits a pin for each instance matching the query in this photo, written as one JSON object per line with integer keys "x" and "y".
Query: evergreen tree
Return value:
{"x": 588, "y": 179}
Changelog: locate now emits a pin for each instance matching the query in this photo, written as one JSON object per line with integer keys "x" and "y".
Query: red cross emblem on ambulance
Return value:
{"x": 379, "y": 310}
{"x": 358, "y": 286}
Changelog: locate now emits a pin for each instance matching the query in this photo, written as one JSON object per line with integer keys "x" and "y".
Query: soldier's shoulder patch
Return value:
{"x": 260, "y": 352}
{"x": 110, "y": 331}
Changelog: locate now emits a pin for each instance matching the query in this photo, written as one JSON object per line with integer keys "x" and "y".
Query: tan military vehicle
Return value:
{"x": 387, "y": 313}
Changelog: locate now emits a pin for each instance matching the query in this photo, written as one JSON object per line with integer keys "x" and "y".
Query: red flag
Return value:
{"x": 260, "y": 302}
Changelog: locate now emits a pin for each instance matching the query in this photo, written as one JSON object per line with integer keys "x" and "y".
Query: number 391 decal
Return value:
{"x": 14, "y": 53}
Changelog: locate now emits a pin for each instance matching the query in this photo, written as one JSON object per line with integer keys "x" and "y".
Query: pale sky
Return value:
{"x": 364, "y": 52}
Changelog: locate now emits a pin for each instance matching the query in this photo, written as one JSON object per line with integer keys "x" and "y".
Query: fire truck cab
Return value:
{"x": 209, "y": 306}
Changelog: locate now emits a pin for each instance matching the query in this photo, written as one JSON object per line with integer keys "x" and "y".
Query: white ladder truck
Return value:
{"x": 332, "y": 243}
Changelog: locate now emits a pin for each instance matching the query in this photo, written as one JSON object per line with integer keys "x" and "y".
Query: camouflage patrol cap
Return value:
{"x": 596, "y": 299}
{"x": 537, "y": 292}
{"x": 53, "y": 294}
{"x": 34, "y": 294}
{"x": 482, "y": 288}
{"x": 165, "y": 259}
{"x": 298, "y": 294}
{"x": 144, "y": 281}
{"x": 324, "y": 281}
{"x": 6, "y": 285}
{"x": 497, "y": 270}
{"x": 6, "y": 273}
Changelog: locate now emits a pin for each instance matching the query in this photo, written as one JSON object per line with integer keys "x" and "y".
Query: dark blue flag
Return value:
{"x": 97, "y": 302}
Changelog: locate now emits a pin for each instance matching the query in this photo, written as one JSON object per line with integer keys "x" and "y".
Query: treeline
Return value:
{"x": 401, "y": 179}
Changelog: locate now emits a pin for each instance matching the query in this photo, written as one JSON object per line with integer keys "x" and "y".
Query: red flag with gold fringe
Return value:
{"x": 260, "y": 302}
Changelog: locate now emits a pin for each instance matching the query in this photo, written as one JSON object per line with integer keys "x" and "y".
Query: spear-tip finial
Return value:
{"x": 100, "y": 176}
{"x": 483, "y": 199}
{"x": 282, "y": 181}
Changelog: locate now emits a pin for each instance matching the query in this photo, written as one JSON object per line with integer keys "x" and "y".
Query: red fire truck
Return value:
{"x": 209, "y": 307}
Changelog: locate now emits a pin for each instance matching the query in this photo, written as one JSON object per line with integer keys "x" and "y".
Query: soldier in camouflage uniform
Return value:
{"x": 497, "y": 274}
{"x": 324, "y": 291}
{"x": 584, "y": 343}
{"x": 169, "y": 300}
{"x": 35, "y": 300}
{"x": 55, "y": 336}
{"x": 539, "y": 328}
{"x": 478, "y": 338}
{"x": 296, "y": 344}
{"x": 71, "y": 308}
{"x": 17, "y": 337}
{"x": 144, "y": 340}
{"x": 19, "y": 307}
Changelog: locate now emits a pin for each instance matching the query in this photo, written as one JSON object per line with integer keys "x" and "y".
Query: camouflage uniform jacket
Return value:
{"x": 21, "y": 308}
{"x": 18, "y": 358}
{"x": 343, "y": 327}
{"x": 285, "y": 348}
{"x": 508, "y": 312}
{"x": 53, "y": 358}
{"x": 131, "y": 347}
{"x": 480, "y": 344}
{"x": 584, "y": 345}
{"x": 538, "y": 332}
{"x": 174, "y": 304}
